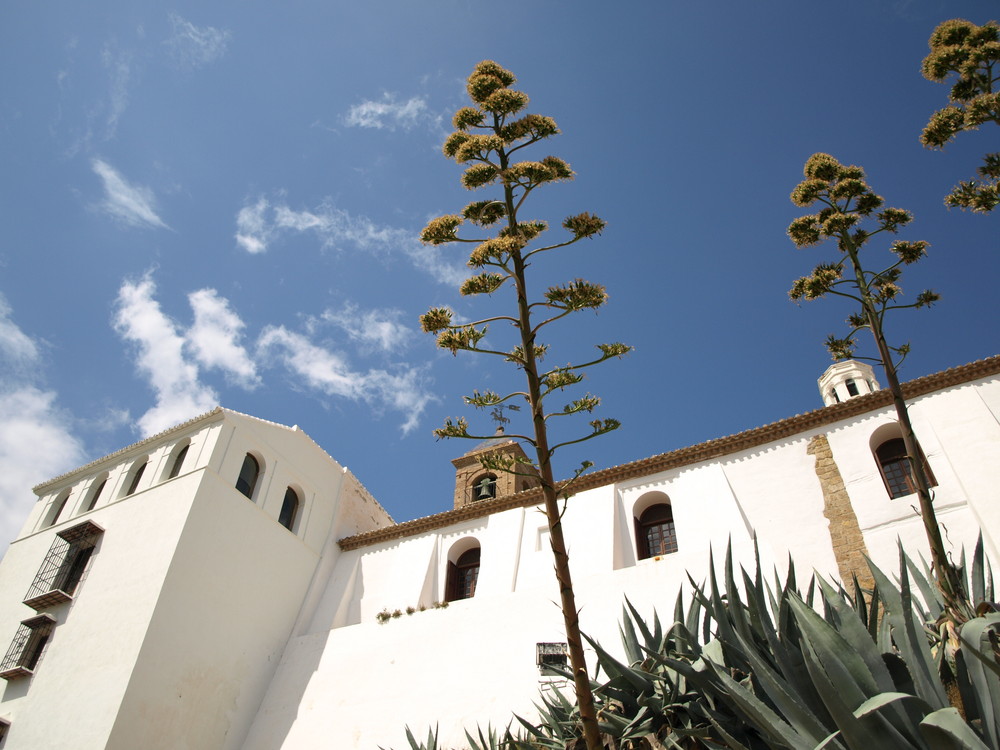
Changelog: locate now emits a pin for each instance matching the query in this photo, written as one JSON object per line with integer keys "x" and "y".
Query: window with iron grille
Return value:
{"x": 894, "y": 465}
{"x": 63, "y": 566}
{"x": 551, "y": 658}
{"x": 655, "y": 533}
{"x": 26, "y": 648}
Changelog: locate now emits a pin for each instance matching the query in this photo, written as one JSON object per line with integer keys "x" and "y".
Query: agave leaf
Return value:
{"x": 726, "y": 736}
{"x": 975, "y": 635}
{"x": 838, "y": 651}
{"x": 784, "y": 651}
{"x": 908, "y": 636}
{"x": 653, "y": 639}
{"x": 875, "y": 732}
{"x": 762, "y": 717}
{"x": 851, "y": 628}
{"x": 983, "y": 672}
{"x": 736, "y": 610}
{"x": 945, "y": 730}
{"x": 532, "y": 729}
{"x": 638, "y": 679}
{"x": 858, "y": 602}
{"x": 874, "y": 616}
{"x": 630, "y": 641}
{"x": 783, "y": 696}
{"x": 928, "y": 590}
{"x": 884, "y": 699}
{"x": 978, "y": 581}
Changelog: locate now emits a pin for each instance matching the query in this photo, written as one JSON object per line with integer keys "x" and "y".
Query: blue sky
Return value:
{"x": 219, "y": 203}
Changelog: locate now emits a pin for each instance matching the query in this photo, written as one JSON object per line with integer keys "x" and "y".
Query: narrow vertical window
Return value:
{"x": 56, "y": 510}
{"x": 463, "y": 575}
{"x": 852, "y": 387}
{"x": 289, "y": 509}
{"x": 175, "y": 469}
{"x": 95, "y": 493}
{"x": 136, "y": 476}
{"x": 247, "y": 481}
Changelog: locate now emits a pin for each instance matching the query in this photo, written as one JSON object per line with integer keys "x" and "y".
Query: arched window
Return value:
{"x": 894, "y": 465}
{"x": 485, "y": 488}
{"x": 852, "y": 387}
{"x": 247, "y": 481}
{"x": 56, "y": 510}
{"x": 463, "y": 575}
{"x": 654, "y": 531}
{"x": 95, "y": 492}
{"x": 137, "y": 470}
{"x": 289, "y": 509}
{"x": 175, "y": 467}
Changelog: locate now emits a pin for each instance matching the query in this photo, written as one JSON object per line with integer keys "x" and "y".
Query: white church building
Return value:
{"x": 228, "y": 585}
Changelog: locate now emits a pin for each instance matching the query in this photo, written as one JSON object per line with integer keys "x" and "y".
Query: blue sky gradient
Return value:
{"x": 219, "y": 204}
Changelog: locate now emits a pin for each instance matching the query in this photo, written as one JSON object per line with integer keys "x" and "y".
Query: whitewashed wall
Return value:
{"x": 347, "y": 681}
{"x": 190, "y": 596}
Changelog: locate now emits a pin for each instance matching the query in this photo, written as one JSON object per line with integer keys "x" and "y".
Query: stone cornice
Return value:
{"x": 693, "y": 454}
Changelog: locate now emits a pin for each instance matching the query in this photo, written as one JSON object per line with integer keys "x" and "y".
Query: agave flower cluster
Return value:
{"x": 972, "y": 53}
{"x": 487, "y": 139}
{"x": 851, "y": 214}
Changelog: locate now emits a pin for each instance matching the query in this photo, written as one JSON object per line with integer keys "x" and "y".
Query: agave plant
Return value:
{"x": 748, "y": 665}
{"x": 745, "y": 667}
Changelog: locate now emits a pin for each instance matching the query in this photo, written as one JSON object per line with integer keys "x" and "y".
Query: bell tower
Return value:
{"x": 847, "y": 379}
{"x": 474, "y": 483}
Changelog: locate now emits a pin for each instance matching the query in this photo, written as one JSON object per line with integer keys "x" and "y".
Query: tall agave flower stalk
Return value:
{"x": 488, "y": 139}
{"x": 851, "y": 214}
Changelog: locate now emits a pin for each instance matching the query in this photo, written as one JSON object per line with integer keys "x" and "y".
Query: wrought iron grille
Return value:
{"x": 551, "y": 658}
{"x": 27, "y": 647}
{"x": 63, "y": 566}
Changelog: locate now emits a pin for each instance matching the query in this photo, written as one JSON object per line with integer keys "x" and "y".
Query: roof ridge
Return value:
{"x": 692, "y": 454}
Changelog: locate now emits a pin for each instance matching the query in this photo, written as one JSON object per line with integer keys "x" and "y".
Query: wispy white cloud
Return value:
{"x": 194, "y": 46}
{"x": 160, "y": 357}
{"x": 261, "y": 223}
{"x": 215, "y": 338}
{"x": 29, "y": 418}
{"x": 17, "y": 350}
{"x": 329, "y": 373}
{"x": 119, "y": 67}
{"x": 35, "y": 444}
{"x": 132, "y": 204}
{"x": 389, "y": 113}
{"x": 170, "y": 357}
{"x": 252, "y": 230}
{"x": 373, "y": 329}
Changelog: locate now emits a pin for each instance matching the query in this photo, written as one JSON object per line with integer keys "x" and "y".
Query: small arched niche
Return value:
{"x": 175, "y": 461}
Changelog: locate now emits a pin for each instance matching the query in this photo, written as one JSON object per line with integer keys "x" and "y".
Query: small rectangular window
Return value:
{"x": 63, "y": 567}
{"x": 551, "y": 658}
{"x": 26, "y": 648}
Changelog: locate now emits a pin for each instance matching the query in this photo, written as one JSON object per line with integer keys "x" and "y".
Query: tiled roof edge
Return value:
{"x": 152, "y": 438}
{"x": 691, "y": 454}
